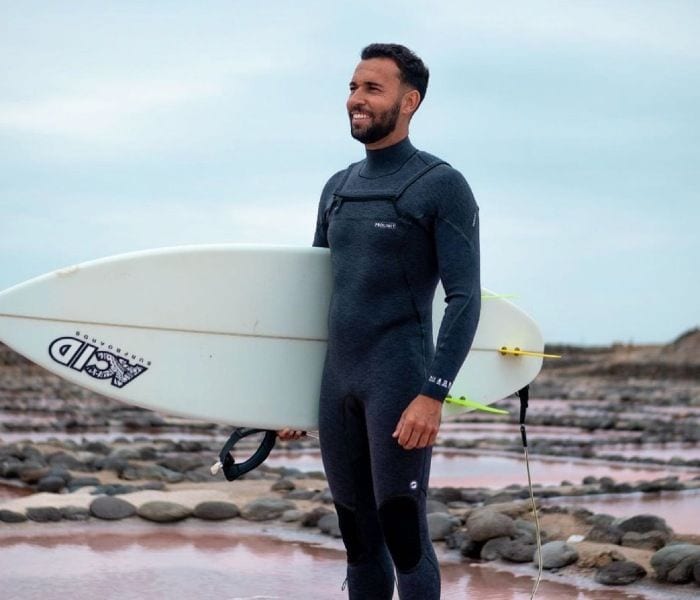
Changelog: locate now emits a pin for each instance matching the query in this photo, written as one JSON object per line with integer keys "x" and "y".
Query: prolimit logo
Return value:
{"x": 100, "y": 364}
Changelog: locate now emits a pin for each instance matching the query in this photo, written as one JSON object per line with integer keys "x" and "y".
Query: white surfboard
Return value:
{"x": 226, "y": 333}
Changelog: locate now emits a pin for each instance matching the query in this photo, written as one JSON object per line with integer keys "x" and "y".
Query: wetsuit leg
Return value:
{"x": 400, "y": 485}
{"x": 343, "y": 433}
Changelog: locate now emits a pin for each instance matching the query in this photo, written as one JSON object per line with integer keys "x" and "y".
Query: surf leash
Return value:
{"x": 233, "y": 470}
{"x": 524, "y": 395}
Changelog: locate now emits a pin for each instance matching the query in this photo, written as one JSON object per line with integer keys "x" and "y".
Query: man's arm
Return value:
{"x": 457, "y": 246}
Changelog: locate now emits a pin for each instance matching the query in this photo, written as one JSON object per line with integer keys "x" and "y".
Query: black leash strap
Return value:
{"x": 233, "y": 470}
{"x": 524, "y": 396}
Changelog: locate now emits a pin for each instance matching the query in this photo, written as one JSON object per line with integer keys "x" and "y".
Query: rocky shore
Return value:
{"x": 67, "y": 454}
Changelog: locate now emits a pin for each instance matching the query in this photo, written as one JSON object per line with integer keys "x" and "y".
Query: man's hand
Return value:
{"x": 290, "y": 434}
{"x": 419, "y": 424}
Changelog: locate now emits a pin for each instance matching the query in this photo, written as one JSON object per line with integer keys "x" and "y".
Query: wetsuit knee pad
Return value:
{"x": 352, "y": 536}
{"x": 399, "y": 520}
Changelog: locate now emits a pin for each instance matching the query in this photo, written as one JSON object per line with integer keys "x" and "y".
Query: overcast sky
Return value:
{"x": 133, "y": 125}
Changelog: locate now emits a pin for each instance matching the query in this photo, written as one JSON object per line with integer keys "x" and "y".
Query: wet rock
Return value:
{"x": 79, "y": 482}
{"x": 661, "y": 485}
{"x": 162, "y": 511}
{"x": 67, "y": 461}
{"x": 312, "y": 517}
{"x": 455, "y": 539}
{"x": 435, "y": 506}
{"x": 292, "y": 516}
{"x": 676, "y": 563}
{"x": 111, "y": 509}
{"x": 325, "y": 496}
{"x": 266, "y": 509}
{"x": 114, "y": 489}
{"x": 499, "y": 498}
{"x": 44, "y": 514}
{"x": 473, "y": 496}
{"x": 644, "y": 523}
{"x": 181, "y": 464}
{"x": 525, "y": 531}
{"x": 31, "y": 472}
{"x": 9, "y": 467}
{"x": 199, "y": 475}
{"x": 605, "y": 534}
{"x": 301, "y": 494}
{"x": 151, "y": 472}
{"x": 97, "y": 447}
{"x": 696, "y": 573}
{"x": 440, "y": 525}
{"x": 10, "y": 516}
{"x": 216, "y": 511}
{"x": 283, "y": 485}
{"x": 484, "y": 524}
{"x": 51, "y": 483}
{"x": 493, "y": 548}
{"x": 651, "y": 540}
{"x": 620, "y": 573}
{"x": 117, "y": 464}
{"x": 446, "y": 494}
{"x": 75, "y": 513}
{"x": 470, "y": 548}
{"x": 329, "y": 524}
{"x": 518, "y": 551}
{"x": 594, "y": 557}
{"x": 556, "y": 555}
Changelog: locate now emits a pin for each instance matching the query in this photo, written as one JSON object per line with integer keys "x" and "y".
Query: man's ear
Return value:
{"x": 410, "y": 102}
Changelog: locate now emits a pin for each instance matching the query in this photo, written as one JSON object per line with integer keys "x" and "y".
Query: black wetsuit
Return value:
{"x": 395, "y": 222}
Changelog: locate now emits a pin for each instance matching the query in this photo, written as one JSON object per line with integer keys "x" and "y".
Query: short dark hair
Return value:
{"x": 412, "y": 69}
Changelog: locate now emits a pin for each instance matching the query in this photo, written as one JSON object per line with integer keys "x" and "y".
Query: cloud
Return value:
{"x": 105, "y": 109}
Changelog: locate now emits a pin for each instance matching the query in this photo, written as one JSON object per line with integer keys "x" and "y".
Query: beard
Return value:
{"x": 381, "y": 126}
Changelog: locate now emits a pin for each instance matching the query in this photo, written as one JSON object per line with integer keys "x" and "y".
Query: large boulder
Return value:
{"x": 644, "y": 524}
{"x": 440, "y": 525}
{"x": 485, "y": 524}
{"x": 216, "y": 511}
{"x": 329, "y": 524}
{"x": 162, "y": 511}
{"x": 620, "y": 573}
{"x": 110, "y": 508}
{"x": 605, "y": 534}
{"x": 556, "y": 555}
{"x": 266, "y": 509}
{"x": 651, "y": 540}
{"x": 675, "y": 563}
{"x": 44, "y": 514}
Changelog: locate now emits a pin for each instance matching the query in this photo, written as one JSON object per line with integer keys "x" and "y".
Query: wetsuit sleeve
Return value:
{"x": 456, "y": 230}
{"x": 321, "y": 233}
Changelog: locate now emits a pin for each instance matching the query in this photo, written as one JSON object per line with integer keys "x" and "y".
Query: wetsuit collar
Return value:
{"x": 387, "y": 160}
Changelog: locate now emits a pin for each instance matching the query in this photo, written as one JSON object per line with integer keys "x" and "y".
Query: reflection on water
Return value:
{"x": 684, "y": 450}
{"x": 474, "y": 469}
{"x": 132, "y": 562}
{"x": 679, "y": 509}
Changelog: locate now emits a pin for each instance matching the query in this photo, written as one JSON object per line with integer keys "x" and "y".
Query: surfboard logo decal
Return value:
{"x": 84, "y": 357}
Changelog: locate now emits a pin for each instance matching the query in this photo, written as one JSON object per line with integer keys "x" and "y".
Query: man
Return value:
{"x": 395, "y": 223}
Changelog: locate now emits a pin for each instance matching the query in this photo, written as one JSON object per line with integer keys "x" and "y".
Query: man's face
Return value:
{"x": 375, "y": 97}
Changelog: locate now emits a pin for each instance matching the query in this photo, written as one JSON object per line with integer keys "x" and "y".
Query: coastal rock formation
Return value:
{"x": 556, "y": 555}
{"x": 620, "y": 573}
{"x": 676, "y": 563}
{"x": 111, "y": 509}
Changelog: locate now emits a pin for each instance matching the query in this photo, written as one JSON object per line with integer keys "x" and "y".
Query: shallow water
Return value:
{"x": 683, "y": 450}
{"x": 469, "y": 468}
{"x": 131, "y": 561}
{"x": 679, "y": 509}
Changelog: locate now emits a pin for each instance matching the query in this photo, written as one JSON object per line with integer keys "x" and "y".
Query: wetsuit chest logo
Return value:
{"x": 385, "y": 224}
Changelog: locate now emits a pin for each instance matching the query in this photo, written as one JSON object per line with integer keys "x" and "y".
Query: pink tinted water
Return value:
{"x": 190, "y": 562}
{"x": 679, "y": 509}
{"x": 684, "y": 450}
{"x": 472, "y": 469}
